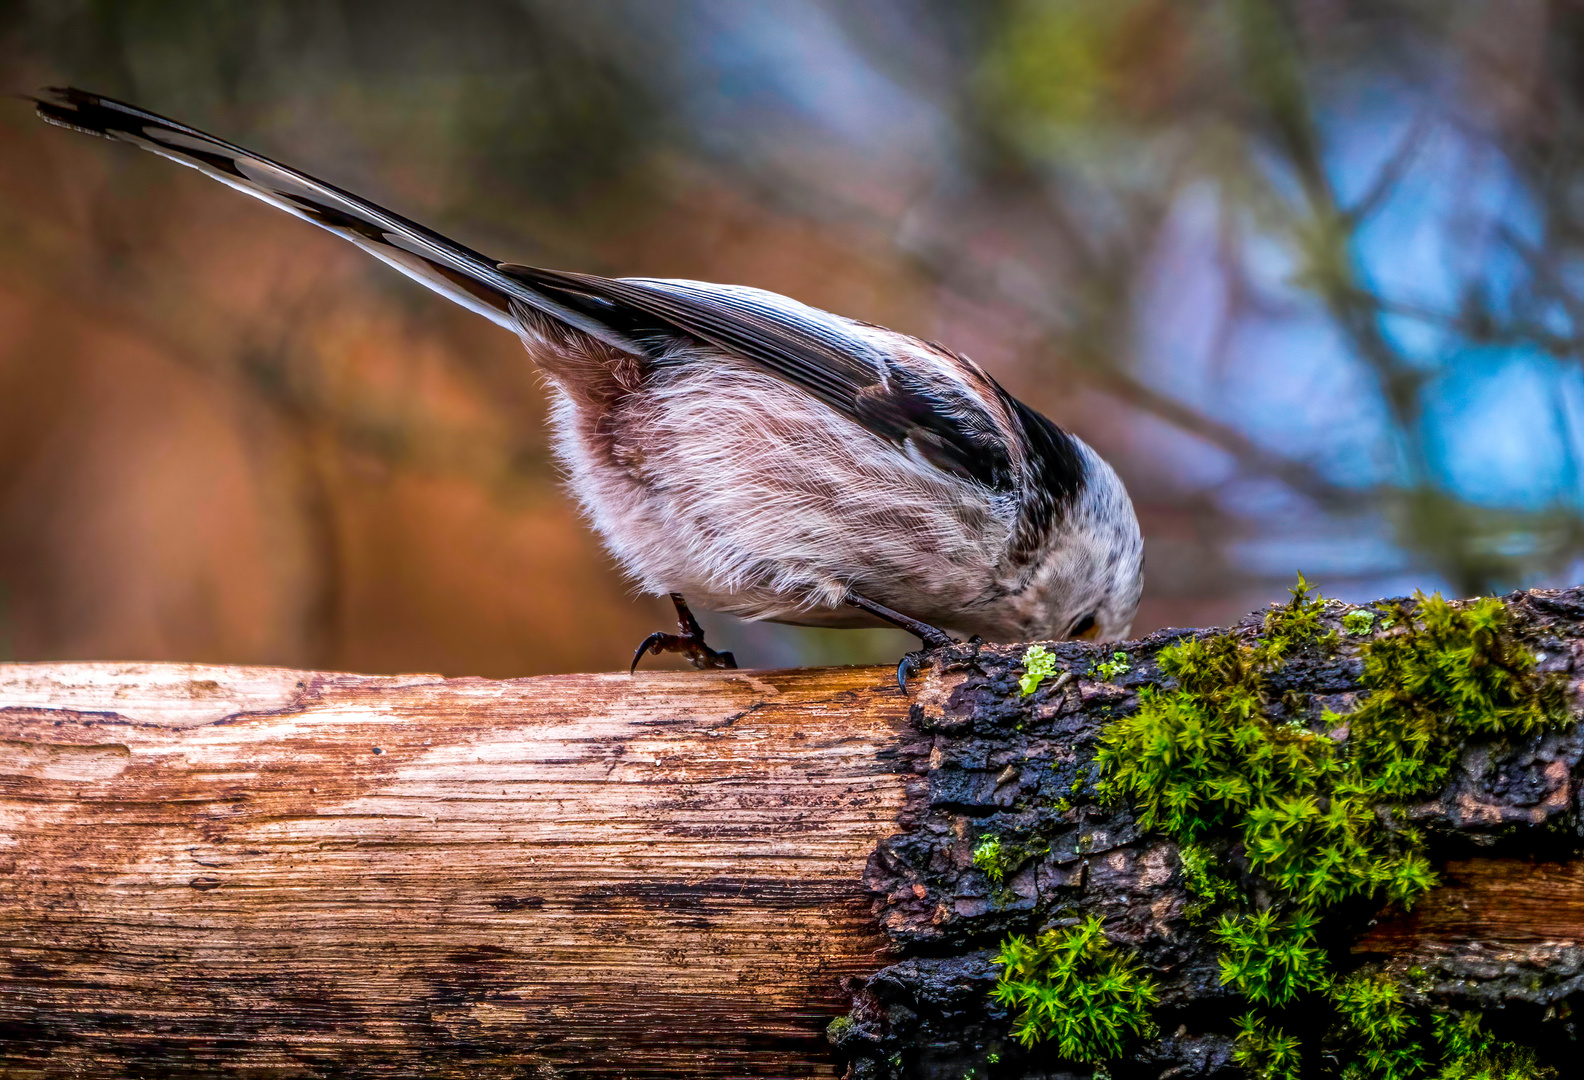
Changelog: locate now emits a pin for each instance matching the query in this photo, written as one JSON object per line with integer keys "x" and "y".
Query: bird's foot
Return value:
{"x": 689, "y": 642}
{"x": 932, "y": 637}
{"x": 701, "y": 655}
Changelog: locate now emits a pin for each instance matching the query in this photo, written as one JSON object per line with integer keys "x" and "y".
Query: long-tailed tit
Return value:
{"x": 751, "y": 453}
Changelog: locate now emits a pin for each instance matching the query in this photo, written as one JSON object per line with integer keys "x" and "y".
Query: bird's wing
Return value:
{"x": 959, "y": 425}
{"x": 969, "y": 432}
{"x": 456, "y": 272}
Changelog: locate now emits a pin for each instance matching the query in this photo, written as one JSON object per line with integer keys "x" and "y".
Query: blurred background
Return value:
{"x": 1309, "y": 273}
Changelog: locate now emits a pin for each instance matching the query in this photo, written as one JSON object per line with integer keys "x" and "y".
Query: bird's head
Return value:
{"x": 1085, "y": 580}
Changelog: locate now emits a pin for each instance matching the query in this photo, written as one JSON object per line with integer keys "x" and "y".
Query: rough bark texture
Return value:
{"x": 270, "y": 873}
{"x": 1505, "y": 930}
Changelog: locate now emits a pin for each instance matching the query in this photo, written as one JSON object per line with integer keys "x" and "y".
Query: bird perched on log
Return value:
{"x": 752, "y": 454}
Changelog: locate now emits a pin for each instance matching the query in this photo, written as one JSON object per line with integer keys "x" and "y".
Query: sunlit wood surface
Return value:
{"x": 271, "y": 872}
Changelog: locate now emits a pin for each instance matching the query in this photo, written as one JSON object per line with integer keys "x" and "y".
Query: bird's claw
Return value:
{"x": 906, "y": 667}
{"x": 699, "y": 654}
{"x": 912, "y": 662}
{"x": 932, "y": 637}
{"x": 689, "y": 642}
{"x": 653, "y": 641}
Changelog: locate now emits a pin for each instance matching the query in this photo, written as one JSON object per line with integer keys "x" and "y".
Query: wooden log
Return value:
{"x": 274, "y": 873}
{"x": 284, "y": 873}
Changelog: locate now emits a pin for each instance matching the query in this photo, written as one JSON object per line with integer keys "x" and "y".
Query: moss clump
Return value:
{"x": 1000, "y": 858}
{"x": 1039, "y": 664}
{"x": 1205, "y": 882}
{"x": 1449, "y": 675}
{"x": 1269, "y": 959}
{"x": 1380, "y": 1038}
{"x": 1206, "y": 763}
{"x": 1206, "y": 758}
{"x": 1471, "y": 1053}
{"x": 1379, "y": 1027}
{"x": 992, "y": 857}
{"x": 1265, "y": 1051}
{"x": 1073, "y": 987}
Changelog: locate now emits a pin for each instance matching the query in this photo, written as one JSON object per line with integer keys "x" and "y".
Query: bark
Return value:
{"x": 273, "y": 873}
{"x": 1504, "y": 931}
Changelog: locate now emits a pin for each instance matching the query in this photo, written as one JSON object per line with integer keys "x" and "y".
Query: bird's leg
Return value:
{"x": 932, "y": 637}
{"x": 689, "y": 642}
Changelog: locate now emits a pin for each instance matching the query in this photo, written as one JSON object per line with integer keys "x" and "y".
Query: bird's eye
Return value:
{"x": 1084, "y": 628}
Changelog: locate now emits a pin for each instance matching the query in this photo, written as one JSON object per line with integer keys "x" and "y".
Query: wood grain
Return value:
{"x": 279, "y": 873}
{"x": 1514, "y": 905}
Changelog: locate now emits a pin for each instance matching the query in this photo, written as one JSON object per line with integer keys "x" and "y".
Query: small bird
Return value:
{"x": 755, "y": 455}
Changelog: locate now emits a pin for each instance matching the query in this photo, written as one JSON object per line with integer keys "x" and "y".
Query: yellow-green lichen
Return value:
{"x": 1110, "y": 669}
{"x": 1358, "y": 622}
{"x": 1039, "y": 664}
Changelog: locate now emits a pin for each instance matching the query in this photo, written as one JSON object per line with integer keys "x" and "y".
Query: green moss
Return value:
{"x": 1000, "y": 858}
{"x": 1380, "y": 1038}
{"x": 1265, "y": 1051}
{"x": 1451, "y": 675}
{"x": 1080, "y": 778}
{"x": 1039, "y": 664}
{"x": 991, "y": 857}
{"x": 1377, "y": 1037}
{"x": 1380, "y": 1030}
{"x": 1074, "y": 988}
{"x": 1471, "y": 1053}
{"x": 1204, "y": 761}
{"x": 1206, "y": 884}
{"x": 1269, "y": 959}
{"x": 1206, "y": 758}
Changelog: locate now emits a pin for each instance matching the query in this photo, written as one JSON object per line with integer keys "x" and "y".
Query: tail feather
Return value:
{"x": 456, "y": 272}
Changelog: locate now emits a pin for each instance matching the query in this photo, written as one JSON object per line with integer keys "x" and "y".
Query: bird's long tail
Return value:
{"x": 449, "y": 268}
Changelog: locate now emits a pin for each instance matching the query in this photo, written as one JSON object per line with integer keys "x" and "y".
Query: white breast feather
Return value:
{"x": 747, "y": 495}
